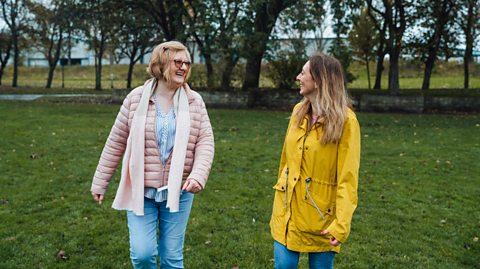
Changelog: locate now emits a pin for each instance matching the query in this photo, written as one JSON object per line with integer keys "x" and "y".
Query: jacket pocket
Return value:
{"x": 318, "y": 209}
{"x": 279, "y": 201}
{"x": 281, "y": 194}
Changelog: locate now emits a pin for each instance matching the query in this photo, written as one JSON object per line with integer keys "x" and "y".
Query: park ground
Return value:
{"x": 418, "y": 191}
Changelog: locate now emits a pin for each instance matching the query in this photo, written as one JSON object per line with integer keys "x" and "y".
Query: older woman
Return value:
{"x": 316, "y": 191}
{"x": 164, "y": 134}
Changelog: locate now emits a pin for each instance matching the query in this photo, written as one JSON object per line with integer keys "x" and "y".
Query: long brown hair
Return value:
{"x": 331, "y": 99}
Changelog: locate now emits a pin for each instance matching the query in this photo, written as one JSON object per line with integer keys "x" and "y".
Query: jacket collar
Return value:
{"x": 188, "y": 91}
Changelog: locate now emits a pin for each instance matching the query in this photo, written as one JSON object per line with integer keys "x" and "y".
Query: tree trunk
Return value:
{"x": 208, "y": 63}
{"x": 1, "y": 73}
{"x": 52, "y": 62}
{"x": 227, "y": 70}
{"x": 467, "y": 57}
{"x": 379, "y": 69}
{"x": 368, "y": 72}
{"x": 98, "y": 64}
{"x": 265, "y": 17}
{"x": 130, "y": 72}
{"x": 393, "y": 70}
{"x": 428, "y": 72}
{"x": 16, "y": 54}
{"x": 252, "y": 71}
{"x": 98, "y": 74}
{"x": 4, "y": 63}
{"x": 466, "y": 70}
{"x": 50, "y": 77}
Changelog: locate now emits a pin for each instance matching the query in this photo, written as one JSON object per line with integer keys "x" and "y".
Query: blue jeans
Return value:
{"x": 145, "y": 245}
{"x": 288, "y": 259}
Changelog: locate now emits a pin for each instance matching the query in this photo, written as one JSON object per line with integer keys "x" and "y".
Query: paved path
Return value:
{"x": 32, "y": 97}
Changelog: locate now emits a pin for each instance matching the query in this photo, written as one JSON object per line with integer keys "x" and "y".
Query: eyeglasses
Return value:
{"x": 180, "y": 63}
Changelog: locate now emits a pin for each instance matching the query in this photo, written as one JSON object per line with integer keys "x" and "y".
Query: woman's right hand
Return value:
{"x": 98, "y": 198}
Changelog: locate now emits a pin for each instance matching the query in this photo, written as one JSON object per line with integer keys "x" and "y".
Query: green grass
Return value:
{"x": 445, "y": 75}
{"x": 418, "y": 192}
{"x": 82, "y": 78}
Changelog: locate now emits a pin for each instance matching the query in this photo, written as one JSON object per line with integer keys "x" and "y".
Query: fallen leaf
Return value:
{"x": 208, "y": 242}
{"x": 62, "y": 255}
{"x": 443, "y": 221}
{"x": 475, "y": 239}
{"x": 235, "y": 267}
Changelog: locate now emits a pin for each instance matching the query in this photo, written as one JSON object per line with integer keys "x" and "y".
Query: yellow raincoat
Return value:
{"x": 317, "y": 186}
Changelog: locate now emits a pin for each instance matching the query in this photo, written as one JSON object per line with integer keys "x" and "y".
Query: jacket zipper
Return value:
{"x": 308, "y": 180}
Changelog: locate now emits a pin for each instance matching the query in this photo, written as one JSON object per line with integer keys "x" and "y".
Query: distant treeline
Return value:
{"x": 227, "y": 31}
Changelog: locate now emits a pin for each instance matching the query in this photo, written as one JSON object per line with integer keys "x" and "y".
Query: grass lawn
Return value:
{"x": 419, "y": 191}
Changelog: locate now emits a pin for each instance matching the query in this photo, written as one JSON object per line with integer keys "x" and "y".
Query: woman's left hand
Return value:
{"x": 333, "y": 241}
{"x": 191, "y": 185}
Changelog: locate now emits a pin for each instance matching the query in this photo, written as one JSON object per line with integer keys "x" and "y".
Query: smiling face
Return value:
{"x": 307, "y": 84}
{"x": 179, "y": 68}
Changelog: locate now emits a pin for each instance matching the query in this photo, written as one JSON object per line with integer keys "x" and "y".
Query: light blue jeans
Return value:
{"x": 145, "y": 245}
{"x": 288, "y": 259}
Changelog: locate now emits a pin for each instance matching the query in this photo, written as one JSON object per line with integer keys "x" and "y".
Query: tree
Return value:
{"x": 264, "y": 14}
{"x": 286, "y": 57}
{"x": 469, "y": 23}
{"x": 137, "y": 36}
{"x": 47, "y": 31}
{"x": 395, "y": 20}
{"x": 229, "y": 39}
{"x": 285, "y": 64}
{"x": 168, "y": 15}
{"x": 5, "y": 50}
{"x": 202, "y": 20}
{"x": 434, "y": 18}
{"x": 13, "y": 12}
{"x": 381, "y": 28}
{"x": 342, "y": 17}
{"x": 214, "y": 27}
{"x": 307, "y": 16}
{"x": 363, "y": 39}
{"x": 98, "y": 23}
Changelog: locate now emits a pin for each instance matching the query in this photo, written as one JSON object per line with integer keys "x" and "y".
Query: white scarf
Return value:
{"x": 130, "y": 191}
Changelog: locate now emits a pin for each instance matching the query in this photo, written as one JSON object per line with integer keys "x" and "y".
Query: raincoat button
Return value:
{"x": 294, "y": 179}
{"x": 329, "y": 210}
{"x": 305, "y": 197}
{"x": 300, "y": 148}
{"x": 283, "y": 188}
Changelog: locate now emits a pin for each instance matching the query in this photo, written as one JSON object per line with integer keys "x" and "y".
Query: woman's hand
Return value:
{"x": 333, "y": 241}
{"x": 191, "y": 185}
{"x": 98, "y": 198}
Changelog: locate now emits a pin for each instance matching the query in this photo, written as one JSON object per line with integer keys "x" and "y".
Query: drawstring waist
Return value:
{"x": 308, "y": 180}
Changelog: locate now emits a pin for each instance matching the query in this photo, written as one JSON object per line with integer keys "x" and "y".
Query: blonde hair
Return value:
{"x": 162, "y": 55}
{"x": 331, "y": 99}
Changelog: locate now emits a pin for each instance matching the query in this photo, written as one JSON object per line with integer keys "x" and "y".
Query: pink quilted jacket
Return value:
{"x": 200, "y": 148}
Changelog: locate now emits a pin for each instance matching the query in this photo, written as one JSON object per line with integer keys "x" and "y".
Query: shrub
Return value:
{"x": 284, "y": 68}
